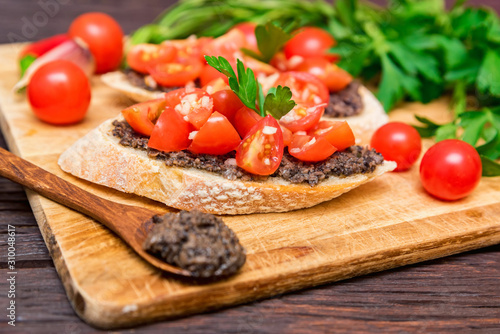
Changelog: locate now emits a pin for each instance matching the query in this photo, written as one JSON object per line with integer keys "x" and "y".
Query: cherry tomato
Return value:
{"x": 305, "y": 87}
{"x": 104, "y": 37}
{"x": 142, "y": 116}
{"x": 450, "y": 169}
{"x": 261, "y": 151}
{"x": 302, "y": 117}
{"x": 194, "y": 104}
{"x": 248, "y": 28}
{"x": 143, "y": 56}
{"x": 59, "y": 93}
{"x": 227, "y": 103}
{"x": 209, "y": 74}
{"x": 338, "y": 133}
{"x": 217, "y": 136}
{"x": 398, "y": 142}
{"x": 171, "y": 132}
{"x": 309, "y": 42}
{"x": 308, "y": 148}
{"x": 330, "y": 74}
{"x": 245, "y": 119}
{"x": 176, "y": 74}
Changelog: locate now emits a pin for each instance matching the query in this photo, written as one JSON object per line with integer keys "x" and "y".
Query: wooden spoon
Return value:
{"x": 131, "y": 223}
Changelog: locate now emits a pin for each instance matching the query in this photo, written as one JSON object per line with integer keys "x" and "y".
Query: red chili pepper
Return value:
{"x": 37, "y": 49}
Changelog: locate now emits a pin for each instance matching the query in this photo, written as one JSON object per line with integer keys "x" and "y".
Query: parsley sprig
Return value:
{"x": 270, "y": 39}
{"x": 278, "y": 101}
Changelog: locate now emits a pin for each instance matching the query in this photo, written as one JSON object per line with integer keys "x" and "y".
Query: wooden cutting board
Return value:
{"x": 387, "y": 223}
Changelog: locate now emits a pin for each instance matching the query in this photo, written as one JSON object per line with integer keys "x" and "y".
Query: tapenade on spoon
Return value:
{"x": 202, "y": 245}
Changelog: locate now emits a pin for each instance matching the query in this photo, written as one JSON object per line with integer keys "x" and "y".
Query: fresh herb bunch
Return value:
{"x": 421, "y": 50}
{"x": 278, "y": 101}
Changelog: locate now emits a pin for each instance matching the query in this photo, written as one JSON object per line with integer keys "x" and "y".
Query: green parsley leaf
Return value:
{"x": 244, "y": 85}
{"x": 279, "y": 102}
{"x": 488, "y": 79}
{"x": 270, "y": 40}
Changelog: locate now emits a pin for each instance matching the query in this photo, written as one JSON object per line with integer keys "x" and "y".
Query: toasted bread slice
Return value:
{"x": 98, "y": 157}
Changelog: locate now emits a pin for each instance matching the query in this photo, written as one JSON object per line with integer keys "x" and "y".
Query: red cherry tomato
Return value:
{"x": 338, "y": 133}
{"x": 143, "y": 56}
{"x": 451, "y": 169}
{"x": 305, "y": 87}
{"x": 142, "y": 116}
{"x": 308, "y": 148}
{"x": 176, "y": 74}
{"x": 59, "y": 93}
{"x": 245, "y": 119}
{"x": 104, "y": 37}
{"x": 248, "y": 28}
{"x": 310, "y": 42}
{"x": 217, "y": 136}
{"x": 398, "y": 142}
{"x": 227, "y": 103}
{"x": 330, "y": 74}
{"x": 302, "y": 117}
{"x": 171, "y": 132}
{"x": 261, "y": 151}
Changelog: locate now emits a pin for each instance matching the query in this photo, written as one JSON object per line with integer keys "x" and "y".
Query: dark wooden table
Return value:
{"x": 459, "y": 293}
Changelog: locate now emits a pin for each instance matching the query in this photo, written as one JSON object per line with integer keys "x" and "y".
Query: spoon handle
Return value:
{"x": 53, "y": 187}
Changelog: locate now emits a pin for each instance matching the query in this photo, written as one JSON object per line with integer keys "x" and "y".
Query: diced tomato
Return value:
{"x": 261, "y": 151}
{"x": 308, "y": 148}
{"x": 141, "y": 57}
{"x": 215, "y": 86}
{"x": 189, "y": 48}
{"x": 338, "y": 133}
{"x": 244, "y": 119}
{"x": 302, "y": 117}
{"x": 142, "y": 116}
{"x": 227, "y": 45}
{"x": 208, "y": 74}
{"x": 39, "y": 48}
{"x": 334, "y": 77}
{"x": 217, "y": 136}
{"x": 171, "y": 132}
{"x": 248, "y": 28}
{"x": 227, "y": 103}
{"x": 287, "y": 136}
{"x": 305, "y": 87}
{"x": 176, "y": 74}
{"x": 194, "y": 104}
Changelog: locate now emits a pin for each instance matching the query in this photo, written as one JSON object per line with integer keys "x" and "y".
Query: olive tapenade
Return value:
{"x": 353, "y": 160}
{"x": 345, "y": 103}
{"x": 198, "y": 242}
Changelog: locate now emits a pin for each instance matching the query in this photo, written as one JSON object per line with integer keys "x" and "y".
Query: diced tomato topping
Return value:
{"x": 308, "y": 148}
{"x": 194, "y": 104}
{"x": 248, "y": 29}
{"x": 217, "y": 136}
{"x": 261, "y": 151}
{"x": 306, "y": 88}
{"x": 171, "y": 132}
{"x": 141, "y": 57}
{"x": 227, "y": 103}
{"x": 142, "y": 116}
{"x": 209, "y": 74}
{"x": 338, "y": 133}
{"x": 334, "y": 77}
{"x": 244, "y": 119}
{"x": 302, "y": 117}
{"x": 287, "y": 136}
{"x": 176, "y": 74}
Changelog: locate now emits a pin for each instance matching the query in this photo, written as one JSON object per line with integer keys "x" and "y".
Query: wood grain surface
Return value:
{"x": 460, "y": 294}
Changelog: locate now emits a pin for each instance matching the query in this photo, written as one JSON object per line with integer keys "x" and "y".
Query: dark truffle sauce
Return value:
{"x": 198, "y": 242}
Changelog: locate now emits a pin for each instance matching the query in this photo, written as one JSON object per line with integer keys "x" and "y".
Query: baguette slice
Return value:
{"x": 98, "y": 157}
{"x": 363, "y": 125}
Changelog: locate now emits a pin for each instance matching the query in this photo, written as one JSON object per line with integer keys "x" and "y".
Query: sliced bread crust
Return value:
{"x": 98, "y": 157}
